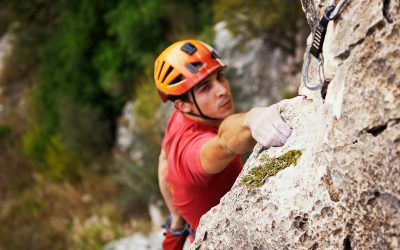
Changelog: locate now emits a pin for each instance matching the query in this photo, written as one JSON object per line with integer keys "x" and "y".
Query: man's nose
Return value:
{"x": 221, "y": 88}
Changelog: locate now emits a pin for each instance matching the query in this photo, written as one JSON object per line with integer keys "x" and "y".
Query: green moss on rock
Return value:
{"x": 270, "y": 167}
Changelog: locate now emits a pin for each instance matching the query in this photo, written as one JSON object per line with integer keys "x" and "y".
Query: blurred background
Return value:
{"x": 81, "y": 122}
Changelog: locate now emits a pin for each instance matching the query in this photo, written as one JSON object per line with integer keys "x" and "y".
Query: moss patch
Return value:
{"x": 270, "y": 167}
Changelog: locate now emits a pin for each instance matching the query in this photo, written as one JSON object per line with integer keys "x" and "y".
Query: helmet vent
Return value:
{"x": 159, "y": 72}
{"x": 169, "y": 70}
{"x": 177, "y": 79}
{"x": 194, "y": 67}
{"x": 189, "y": 48}
{"x": 198, "y": 65}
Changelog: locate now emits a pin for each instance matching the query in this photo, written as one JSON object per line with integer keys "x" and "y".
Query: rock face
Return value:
{"x": 344, "y": 192}
{"x": 260, "y": 74}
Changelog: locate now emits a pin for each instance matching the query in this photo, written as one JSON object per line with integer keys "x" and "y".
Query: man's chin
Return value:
{"x": 228, "y": 113}
{"x": 232, "y": 110}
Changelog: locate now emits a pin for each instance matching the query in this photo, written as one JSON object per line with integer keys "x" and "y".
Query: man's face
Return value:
{"x": 214, "y": 96}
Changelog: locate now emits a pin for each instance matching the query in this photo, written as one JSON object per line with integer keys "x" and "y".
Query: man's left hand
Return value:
{"x": 267, "y": 126}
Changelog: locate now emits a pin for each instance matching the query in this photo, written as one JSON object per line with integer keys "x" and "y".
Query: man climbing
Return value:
{"x": 200, "y": 154}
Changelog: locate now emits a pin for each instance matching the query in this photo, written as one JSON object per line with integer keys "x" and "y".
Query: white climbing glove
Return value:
{"x": 266, "y": 124}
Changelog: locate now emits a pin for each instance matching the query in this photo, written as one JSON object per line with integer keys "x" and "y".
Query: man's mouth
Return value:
{"x": 225, "y": 103}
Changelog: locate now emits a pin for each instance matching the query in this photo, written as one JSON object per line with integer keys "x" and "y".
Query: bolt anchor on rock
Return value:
{"x": 331, "y": 12}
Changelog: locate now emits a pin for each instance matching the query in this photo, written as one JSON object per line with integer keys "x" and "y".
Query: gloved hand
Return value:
{"x": 266, "y": 124}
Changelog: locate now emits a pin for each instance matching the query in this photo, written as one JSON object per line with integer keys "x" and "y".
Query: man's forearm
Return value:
{"x": 233, "y": 138}
{"x": 238, "y": 133}
{"x": 235, "y": 134}
{"x": 177, "y": 220}
{"x": 167, "y": 197}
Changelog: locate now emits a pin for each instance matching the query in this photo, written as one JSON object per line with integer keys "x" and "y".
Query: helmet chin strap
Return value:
{"x": 198, "y": 109}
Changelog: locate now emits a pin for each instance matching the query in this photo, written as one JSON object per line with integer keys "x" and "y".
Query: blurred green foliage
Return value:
{"x": 29, "y": 225}
{"x": 73, "y": 115}
{"x": 275, "y": 20}
{"x": 88, "y": 57}
{"x": 94, "y": 233}
{"x": 5, "y": 132}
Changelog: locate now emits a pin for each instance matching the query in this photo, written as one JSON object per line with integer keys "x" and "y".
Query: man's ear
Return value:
{"x": 182, "y": 106}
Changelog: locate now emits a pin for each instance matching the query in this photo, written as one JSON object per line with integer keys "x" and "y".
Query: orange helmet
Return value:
{"x": 183, "y": 65}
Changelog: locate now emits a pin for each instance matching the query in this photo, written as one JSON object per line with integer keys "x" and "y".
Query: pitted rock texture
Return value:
{"x": 344, "y": 192}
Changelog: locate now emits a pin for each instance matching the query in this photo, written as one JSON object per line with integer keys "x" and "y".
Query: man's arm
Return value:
{"x": 177, "y": 220}
{"x": 239, "y": 133}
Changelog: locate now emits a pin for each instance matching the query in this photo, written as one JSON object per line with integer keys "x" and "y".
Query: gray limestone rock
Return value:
{"x": 344, "y": 192}
{"x": 260, "y": 73}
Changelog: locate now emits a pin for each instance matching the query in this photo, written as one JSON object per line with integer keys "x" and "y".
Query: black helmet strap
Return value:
{"x": 198, "y": 109}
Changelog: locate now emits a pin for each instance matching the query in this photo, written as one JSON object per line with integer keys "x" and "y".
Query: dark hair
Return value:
{"x": 184, "y": 97}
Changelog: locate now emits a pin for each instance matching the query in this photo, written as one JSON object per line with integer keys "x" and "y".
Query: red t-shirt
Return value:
{"x": 194, "y": 191}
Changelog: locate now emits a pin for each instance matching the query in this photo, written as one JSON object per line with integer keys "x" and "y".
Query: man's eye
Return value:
{"x": 220, "y": 75}
{"x": 204, "y": 87}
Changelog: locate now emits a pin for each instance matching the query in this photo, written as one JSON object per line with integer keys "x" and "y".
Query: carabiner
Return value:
{"x": 331, "y": 12}
{"x": 337, "y": 10}
{"x": 321, "y": 72}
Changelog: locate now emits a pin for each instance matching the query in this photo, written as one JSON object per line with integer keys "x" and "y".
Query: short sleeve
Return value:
{"x": 191, "y": 160}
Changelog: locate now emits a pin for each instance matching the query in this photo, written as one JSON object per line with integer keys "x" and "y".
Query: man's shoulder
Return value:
{"x": 179, "y": 123}
{"x": 177, "y": 120}
{"x": 197, "y": 131}
{"x": 183, "y": 132}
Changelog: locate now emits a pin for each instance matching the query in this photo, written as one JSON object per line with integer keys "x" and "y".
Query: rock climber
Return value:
{"x": 204, "y": 138}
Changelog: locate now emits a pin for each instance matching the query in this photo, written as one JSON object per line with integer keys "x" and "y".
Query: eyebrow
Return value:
{"x": 204, "y": 82}
{"x": 207, "y": 80}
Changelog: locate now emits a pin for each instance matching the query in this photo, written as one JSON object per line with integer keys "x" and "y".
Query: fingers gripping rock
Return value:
{"x": 267, "y": 126}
